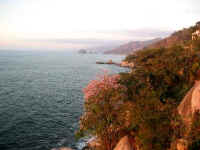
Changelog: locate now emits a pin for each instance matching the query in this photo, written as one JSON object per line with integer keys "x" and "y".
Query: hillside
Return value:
{"x": 153, "y": 97}
{"x": 131, "y": 46}
{"x": 181, "y": 37}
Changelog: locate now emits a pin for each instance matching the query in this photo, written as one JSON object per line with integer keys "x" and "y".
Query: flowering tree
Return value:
{"x": 104, "y": 113}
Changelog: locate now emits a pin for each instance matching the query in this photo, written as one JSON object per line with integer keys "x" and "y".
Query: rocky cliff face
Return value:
{"x": 123, "y": 144}
{"x": 190, "y": 103}
{"x": 187, "y": 108}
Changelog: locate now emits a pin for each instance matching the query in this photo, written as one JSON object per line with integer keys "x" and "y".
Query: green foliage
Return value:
{"x": 157, "y": 84}
{"x": 152, "y": 118}
{"x": 156, "y": 124}
{"x": 168, "y": 72}
{"x": 129, "y": 58}
{"x": 146, "y": 102}
{"x": 196, "y": 45}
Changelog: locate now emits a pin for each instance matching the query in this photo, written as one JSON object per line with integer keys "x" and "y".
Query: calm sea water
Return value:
{"x": 41, "y": 97}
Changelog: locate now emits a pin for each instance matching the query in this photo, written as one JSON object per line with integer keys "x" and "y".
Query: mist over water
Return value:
{"x": 41, "y": 96}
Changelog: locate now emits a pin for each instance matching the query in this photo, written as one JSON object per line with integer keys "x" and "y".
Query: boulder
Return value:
{"x": 190, "y": 103}
{"x": 94, "y": 143}
{"x": 123, "y": 144}
{"x": 182, "y": 144}
{"x": 62, "y": 148}
{"x": 65, "y": 148}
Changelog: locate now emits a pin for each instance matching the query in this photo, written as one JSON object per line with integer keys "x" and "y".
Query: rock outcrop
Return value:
{"x": 124, "y": 144}
{"x": 182, "y": 144}
{"x": 190, "y": 103}
{"x": 62, "y": 148}
{"x": 94, "y": 143}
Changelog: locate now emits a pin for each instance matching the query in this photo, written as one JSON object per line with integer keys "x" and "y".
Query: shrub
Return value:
{"x": 194, "y": 135}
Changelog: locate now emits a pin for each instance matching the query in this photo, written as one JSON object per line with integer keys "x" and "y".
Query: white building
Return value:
{"x": 196, "y": 35}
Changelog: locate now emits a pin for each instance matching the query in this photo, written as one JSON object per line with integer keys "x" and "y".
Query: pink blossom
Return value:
{"x": 103, "y": 83}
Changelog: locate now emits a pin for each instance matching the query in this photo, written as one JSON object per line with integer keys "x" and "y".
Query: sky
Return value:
{"x": 74, "y": 24}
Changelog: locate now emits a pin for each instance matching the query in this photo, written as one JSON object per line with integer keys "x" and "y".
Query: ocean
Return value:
{"x": 41, "y": 96}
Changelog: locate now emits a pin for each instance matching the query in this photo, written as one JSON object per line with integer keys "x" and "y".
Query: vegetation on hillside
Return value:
{"x": 143, "y": 103}
{"x": 194, "y": 135}
{"x": 182, "y": 37}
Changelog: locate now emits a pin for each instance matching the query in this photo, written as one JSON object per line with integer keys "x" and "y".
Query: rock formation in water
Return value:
{"x": 62, "y": 148}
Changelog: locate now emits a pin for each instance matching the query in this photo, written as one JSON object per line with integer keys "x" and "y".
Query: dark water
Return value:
{"x": 41, "y": 97}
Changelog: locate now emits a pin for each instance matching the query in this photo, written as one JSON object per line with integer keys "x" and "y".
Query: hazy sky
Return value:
{"x": 44, "y": 23}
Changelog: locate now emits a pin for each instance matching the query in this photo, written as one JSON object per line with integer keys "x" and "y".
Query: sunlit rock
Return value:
{"x": 182, "y": 144}
{"x": 123, "y": 144}
{"x": 94, "y": 143}
{"x": 62, "y": 148}
{"x": 190, "y": 104}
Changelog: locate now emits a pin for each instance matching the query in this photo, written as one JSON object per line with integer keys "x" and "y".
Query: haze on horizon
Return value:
{"x": 74, "y": 24}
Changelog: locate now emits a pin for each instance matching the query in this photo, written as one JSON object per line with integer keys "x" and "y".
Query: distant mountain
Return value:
{"x": 131, "y": 46}
{"x": 106, "y": 46}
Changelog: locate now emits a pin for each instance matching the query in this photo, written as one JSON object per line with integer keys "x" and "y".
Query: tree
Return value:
{"x": 104, "y": 112}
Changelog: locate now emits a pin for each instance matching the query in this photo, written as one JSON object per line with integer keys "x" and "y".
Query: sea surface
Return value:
{"x": 41, "y": 96}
